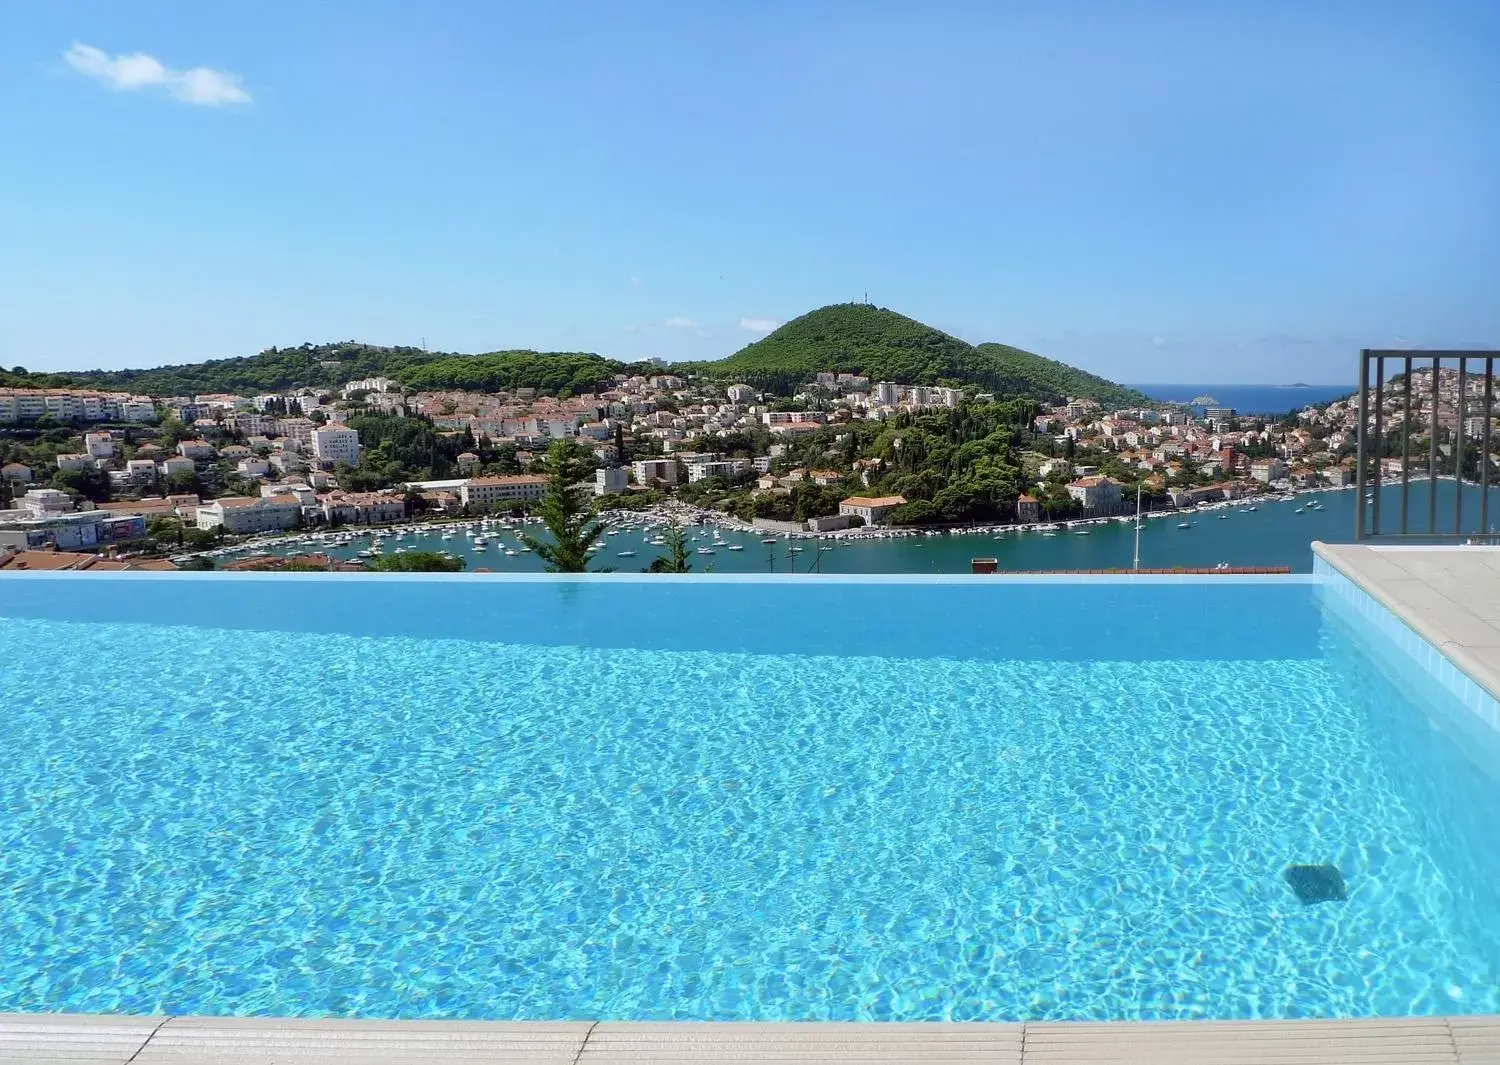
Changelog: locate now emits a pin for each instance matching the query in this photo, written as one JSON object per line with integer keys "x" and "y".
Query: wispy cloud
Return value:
{"x": 1157, "y": 342}
{"x": 678, "y": 322}
{"x": 759, "y": 325}
{"x": 203, "y": 86}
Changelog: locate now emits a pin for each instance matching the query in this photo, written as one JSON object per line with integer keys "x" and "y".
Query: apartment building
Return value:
{"x": 335, "y": 445}
{"x": 248, "y": 514}
{"x": 650, "y": 470}
{"x": 492, "y": 491}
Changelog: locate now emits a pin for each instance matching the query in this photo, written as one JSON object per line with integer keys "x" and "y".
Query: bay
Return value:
{"x": 1275, "y": 533}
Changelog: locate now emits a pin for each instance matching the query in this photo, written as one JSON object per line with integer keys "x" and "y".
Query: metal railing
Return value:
{"x": 1442, "y": 385}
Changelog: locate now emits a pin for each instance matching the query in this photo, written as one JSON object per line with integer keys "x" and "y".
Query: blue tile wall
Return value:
{"x": 1355, "y": 604}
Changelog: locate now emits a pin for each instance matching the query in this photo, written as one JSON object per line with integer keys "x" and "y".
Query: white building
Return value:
{"x": 140, "y": 471}
{"x": 611, "y": 480}
{"x": 99, "y": 445}
{"x": 253, "y": 466}
{"x": 648, "y": 470}
{"x": 1100, "y": 494}
{"x": 249, "y": 514}
{"x": 298, "y": 429}
{"x": 490, "y": 491}
{"x": 886, "y": 393}
{"x": 741, "y": 394}
{"x": 197, "y": 450}
{"x": 137, "y": 410}
{"x": 79, "y": 461}
{"x": 175, "y": 464}
{"x": 362, "y": 508}
{"x": 872, "y": 510}
{"x": 726, "y": 468}
{"x": 336, "y": 444}
{"x": 1267, "y": 470}
{"x": 371, "y": 384}
{"x": 21, "y": 406}
{"x": 46, "y": 502}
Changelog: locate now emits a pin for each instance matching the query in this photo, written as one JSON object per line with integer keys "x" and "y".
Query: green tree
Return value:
{"x": 677, "y": 559}
{"x": 184, "y": 482}
{"x": 417, "y": 562}
{"x": 570, "y": 522}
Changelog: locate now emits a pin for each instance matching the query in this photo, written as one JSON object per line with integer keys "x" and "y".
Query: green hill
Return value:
{"x": 330, "y": 365}
{"x": 844, "y": 338}
{"x": 883, "y": 345}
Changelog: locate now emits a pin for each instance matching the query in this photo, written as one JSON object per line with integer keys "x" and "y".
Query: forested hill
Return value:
{"x": 330, "y": 365}
{"x": 883, "y": 345}
{"x": 844, "y": 338}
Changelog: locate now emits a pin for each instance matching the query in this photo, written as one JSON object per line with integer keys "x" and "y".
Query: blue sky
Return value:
{"x": 1154, "y": 191}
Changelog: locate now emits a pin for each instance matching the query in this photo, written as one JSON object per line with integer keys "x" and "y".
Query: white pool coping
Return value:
{"x": 40, "y": 1039}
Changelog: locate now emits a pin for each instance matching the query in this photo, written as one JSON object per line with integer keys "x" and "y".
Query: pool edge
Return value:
{"x": 1352, "y": 573}
{"x": 124, "y": 1040}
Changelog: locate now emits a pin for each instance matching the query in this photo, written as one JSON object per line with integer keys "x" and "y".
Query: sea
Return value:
{"x": 1274, "y": 400}
{"x": 1265, "y": 532}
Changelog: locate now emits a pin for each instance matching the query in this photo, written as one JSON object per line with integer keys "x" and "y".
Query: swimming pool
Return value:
{"x": 721, "y": 798}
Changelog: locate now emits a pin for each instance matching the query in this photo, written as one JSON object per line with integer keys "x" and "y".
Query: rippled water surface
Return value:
{"x": 211, "y": 821}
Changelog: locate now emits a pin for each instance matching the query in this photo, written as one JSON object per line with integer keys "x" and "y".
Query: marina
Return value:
{"x": 1268, "y": 530}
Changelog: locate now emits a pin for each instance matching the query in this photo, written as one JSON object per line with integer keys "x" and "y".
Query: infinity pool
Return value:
{"x": 873, "y": 799}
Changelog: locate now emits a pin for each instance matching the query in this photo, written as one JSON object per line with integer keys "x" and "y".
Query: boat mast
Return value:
{"x": 1136, "y": 564}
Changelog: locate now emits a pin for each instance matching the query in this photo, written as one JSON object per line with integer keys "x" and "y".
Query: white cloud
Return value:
{"x": 678, "y": 322}
{"x": 203, "y": 86}
{"x": 759, "y": 325}
{"x": 1157, "y": 342}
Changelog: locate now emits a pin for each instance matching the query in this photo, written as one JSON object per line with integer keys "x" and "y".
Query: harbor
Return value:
{"x": 1270, "y": 530}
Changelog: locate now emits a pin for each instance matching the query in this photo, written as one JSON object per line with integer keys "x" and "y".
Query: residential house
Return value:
{"x": 175, "y": 464}
{"x": 253, "y": 466}
{"x": 197, "y": 450}
{"x": 871, "y": 510}
{"x": 1097, "y": 495}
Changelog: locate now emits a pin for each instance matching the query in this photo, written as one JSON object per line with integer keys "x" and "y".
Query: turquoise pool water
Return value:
{"x": 879, "y": 800}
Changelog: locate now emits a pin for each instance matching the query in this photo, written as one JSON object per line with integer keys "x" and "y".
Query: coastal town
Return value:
{"x": 94, "y": 480}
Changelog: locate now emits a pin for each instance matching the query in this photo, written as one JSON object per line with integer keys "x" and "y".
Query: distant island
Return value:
{"x": 1204, "y": 401}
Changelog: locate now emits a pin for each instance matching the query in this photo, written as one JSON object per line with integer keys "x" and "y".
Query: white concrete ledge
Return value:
{"x": 39, "y": 1039}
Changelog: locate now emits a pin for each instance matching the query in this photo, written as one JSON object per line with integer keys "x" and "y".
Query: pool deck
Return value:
{"x": 38, "y": 1039}
{"x": 1449, "y": 595}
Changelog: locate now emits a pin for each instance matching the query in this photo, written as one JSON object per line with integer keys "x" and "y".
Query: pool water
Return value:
{"x": 811, "y": 800}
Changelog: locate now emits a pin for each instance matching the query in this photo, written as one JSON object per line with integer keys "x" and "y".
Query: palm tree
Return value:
{"x": 570, "y": 522}
{"x": 676, "y": 560}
